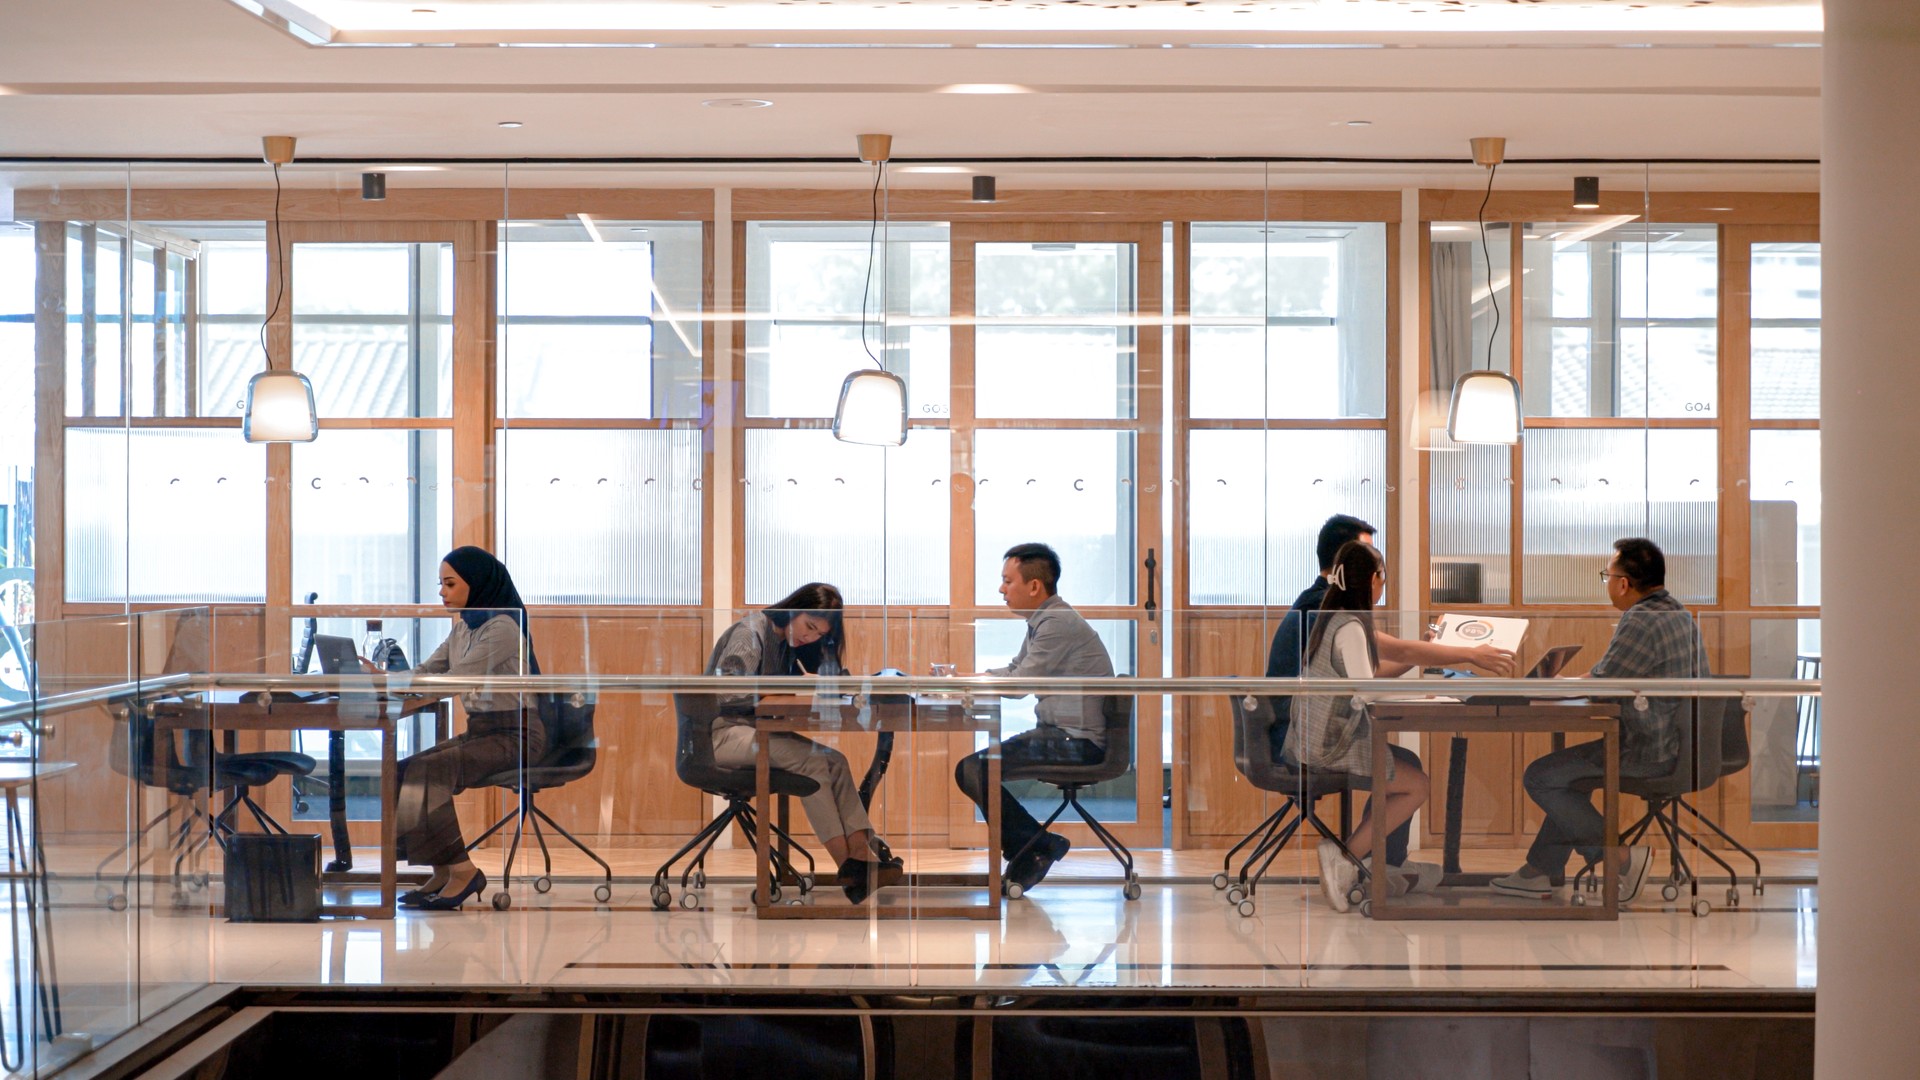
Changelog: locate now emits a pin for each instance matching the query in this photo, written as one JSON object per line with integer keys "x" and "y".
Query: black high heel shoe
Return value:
{"x": 444, "y": 902}
{"x": 416, "y": 897}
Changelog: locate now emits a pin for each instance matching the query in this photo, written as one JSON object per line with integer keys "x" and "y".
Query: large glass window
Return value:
{"x": 1785, "y": 492}
{"x": 1785, "y": 331}
{"x": 1289, "y": 320}
{"x": 600, "y": 318}
{"x": 1621, "y": 319}
{"x": 372, "y": 514}
{"x": 373, "y": 327}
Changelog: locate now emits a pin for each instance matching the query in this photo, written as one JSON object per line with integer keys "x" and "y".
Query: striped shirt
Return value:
{"x": 1655, "y": 639}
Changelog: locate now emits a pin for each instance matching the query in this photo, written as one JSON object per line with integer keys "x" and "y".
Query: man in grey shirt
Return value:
{"x": 1071, "y": 728}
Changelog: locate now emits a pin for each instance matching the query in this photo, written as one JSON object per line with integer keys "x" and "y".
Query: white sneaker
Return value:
{"x": 1399, "y": 881}
{"x": 1337, "y": 875}
{"x": 1635, "y": 875}
{"x": 1422, "y": 876}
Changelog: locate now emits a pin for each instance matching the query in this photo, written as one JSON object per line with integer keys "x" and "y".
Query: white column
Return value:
{"x": 1869, "y": 938}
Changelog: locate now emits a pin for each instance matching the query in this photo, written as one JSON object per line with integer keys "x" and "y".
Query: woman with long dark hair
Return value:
{"x": 489, "y": 637}
{"x": 801, "y": 634}
{"x": 1331, "y": 732}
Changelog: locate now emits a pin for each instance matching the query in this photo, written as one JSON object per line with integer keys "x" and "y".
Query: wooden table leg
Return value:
{"x": 1456, "y": 802}
{"x": 762, "y": 819}
{"x": 389, "y": 808}
{"x": 1610, "y": 828}
{"x": 994, "y": 814}
{"x": 1377, "y": 823}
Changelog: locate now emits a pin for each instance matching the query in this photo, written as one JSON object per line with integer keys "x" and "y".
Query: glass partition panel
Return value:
{"x": 163, "y": 514}
{"x": 603, "y": 516}
{"x": 1785, "y": 732}
{"x": 1785, "y": 493}
{"x": 1470, "y": 522}
{"x": 1585, "y": 488}
{"x": 372, "y": 514}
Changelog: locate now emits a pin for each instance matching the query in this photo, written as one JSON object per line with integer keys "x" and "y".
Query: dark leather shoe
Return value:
{"x": 861, "y": 878}
{"x": 1031, "y": 868}
{"x": 444, "y": 902}
{"x": 414, "y": 897}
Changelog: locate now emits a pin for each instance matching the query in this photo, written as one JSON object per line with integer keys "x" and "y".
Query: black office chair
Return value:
{"x": 1117, "y": 712}
{"x": 1117, "y": 1047}
{"x": 1718, "y": 731}
{"x": 570, "y": 754}
{"x": 1254, "y": 728}
{"x": 186, "y": 769}
{"x": 693, "y": 762}
{"x": 775, "y": 1047}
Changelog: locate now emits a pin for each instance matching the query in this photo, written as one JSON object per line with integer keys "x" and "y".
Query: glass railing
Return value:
{"x": 641, "y": 783}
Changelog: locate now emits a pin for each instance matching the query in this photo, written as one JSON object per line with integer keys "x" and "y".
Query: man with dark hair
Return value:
{"x": 1071, "y": 729}
{"x": 1286, "y": 660}
{"x": 1656, "y": 638}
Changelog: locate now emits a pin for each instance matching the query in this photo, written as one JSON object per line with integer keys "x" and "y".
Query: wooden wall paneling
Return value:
{"x": 914, "y": 803}
{"x": 1218, "y": 803}
{"x": 1711, "y": 207}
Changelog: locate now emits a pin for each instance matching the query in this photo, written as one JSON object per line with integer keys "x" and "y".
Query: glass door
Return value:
{"x": 1056, "y": 435}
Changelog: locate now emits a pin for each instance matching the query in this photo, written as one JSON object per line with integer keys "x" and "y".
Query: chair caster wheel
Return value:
{"x": 1669, "y": 892}
{"x": 699, "y": 879}
{"x": 117, "y": 902}
{"x": 1356, "y": 895}
{"x": 502, "y": 901}
{"x": 1366, "y": 909}
{"x": 690, "y": 901}
{"x": 1013, "y": 890}
{"x": 795, "y": 902}
{"x": 103, "y": 892}
{"x": 1236, "y": 894}
{"x": 1759, "y": 888}
{"x": 1131, "y": 890}
{"x": 806, "y": 884}
{"x": 773, "y": 896}
{"x": 1579, "y": 899}
{"x": 1219, "y": 882}
{"x": 1245, "y": 908}
{"x": 543, "y": 884}
{"x": 1733, "y": 897}
{"x": 662, "y": 897}
{"x": 603, "y": 893}
{"x": 1700, "y": 909}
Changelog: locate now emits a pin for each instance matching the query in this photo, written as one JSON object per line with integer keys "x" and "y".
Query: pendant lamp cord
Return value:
{"x": 866, "y": 285}
{"x": 1486, "y": 253}
{"x": 280, "y": 279}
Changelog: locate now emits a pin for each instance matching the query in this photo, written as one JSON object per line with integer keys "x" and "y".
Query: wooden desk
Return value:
{"x": 1555, "y": 717}
{"x": 939, "y": 715}
{"x": 231, "y": 711}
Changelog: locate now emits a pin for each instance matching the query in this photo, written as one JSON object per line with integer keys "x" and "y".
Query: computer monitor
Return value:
{"x": 337, "y": 654}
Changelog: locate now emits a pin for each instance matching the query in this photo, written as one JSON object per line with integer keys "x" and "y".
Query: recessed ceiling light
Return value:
{"x": 1359, "y": 123}
{"x": 425, "y": 11}
{"x": 736, "y": 103}
{"x": 511, "y": 124}
{"x": 638, "y": 229}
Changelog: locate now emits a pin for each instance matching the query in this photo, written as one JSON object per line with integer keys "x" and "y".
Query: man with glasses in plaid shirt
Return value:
{"x": 1656, "y": 638}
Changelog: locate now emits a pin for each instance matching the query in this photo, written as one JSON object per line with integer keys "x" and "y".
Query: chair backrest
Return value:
{"x": 1118, "y": 711}
{"x": 569, "y": 722}
{"x": 693, "y": 749}
{"x": 1252, "y": 728}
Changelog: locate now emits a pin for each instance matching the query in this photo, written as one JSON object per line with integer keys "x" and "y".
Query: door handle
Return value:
{"x": 1152, "y": 566}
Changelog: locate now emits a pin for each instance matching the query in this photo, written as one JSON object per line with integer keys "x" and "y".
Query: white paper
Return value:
{"x": 1471, "y": 631}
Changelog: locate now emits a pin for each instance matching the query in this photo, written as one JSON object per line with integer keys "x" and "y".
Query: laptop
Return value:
{"x": 1550, "y": 665}
{"x": 338, "y": 656}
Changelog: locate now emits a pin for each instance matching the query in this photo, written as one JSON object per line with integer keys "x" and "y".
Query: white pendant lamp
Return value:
{"x": 279, "y": 403}
{"x": 873, "y": 401}
{"x": 1486, "y": 403}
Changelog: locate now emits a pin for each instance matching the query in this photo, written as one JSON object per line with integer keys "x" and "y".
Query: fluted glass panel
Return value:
{"x": 1786, "y": 331}
{"x": 602, "y": 517}
{"x": 1587, "y": 488}
{"x": 373, "y": 327}
{"x": 1784, "y": 472}
{"x": 600, "y": 318}
{"x": 872, "y": 521}
{"x": 372, "y": 515}
{"x": 1257, "y": 499}
{"x": 180, "y": 514}
{"x": 1470, "y": 527}
{"x": 1289, "y": 320}
{"x": 1073, "y": 490}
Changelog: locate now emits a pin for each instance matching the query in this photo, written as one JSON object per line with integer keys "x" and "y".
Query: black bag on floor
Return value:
{"x": 273, "y": 878}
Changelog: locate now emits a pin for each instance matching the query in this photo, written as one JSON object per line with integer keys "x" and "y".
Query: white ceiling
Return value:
{"x": 206, "y": 78}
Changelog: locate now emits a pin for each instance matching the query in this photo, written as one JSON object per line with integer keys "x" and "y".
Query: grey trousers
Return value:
{"x": 835, "y": 810}
{"x": 426, "y": 829}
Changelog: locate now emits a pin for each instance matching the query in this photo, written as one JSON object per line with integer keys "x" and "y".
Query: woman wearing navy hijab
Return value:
{"x": 489, "y": 638}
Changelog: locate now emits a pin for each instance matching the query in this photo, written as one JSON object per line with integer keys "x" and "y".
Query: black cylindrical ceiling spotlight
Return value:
{"x": 983, "y": 189}
{"x": 1586, "y": 193}
{"x": 373, "y": 186}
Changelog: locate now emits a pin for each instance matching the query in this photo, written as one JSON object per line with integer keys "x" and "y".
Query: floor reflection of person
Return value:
{"x": 801, "y": 634}
{"x": 489, "y": 637}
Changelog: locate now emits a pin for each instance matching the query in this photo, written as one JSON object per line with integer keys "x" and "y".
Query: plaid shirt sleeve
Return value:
{"x": 1656, "y": 639}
